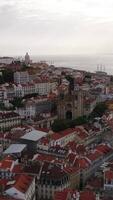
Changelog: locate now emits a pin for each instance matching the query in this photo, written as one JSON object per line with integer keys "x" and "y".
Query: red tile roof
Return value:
{"x": 62, "y": 134}
{"x": 63, "y": 195}
{"x": 82, "y": 135}
{"x": 44, "y": 141}
{"x": 87, "y": 195}
{"x": 3, "y": 182}
{"x": 80, "y": 149}
{"x": 94, "y": 155}
{"x": 17, "y": 168}
{"x": 109, "y": 175}
{"x": 104, "y": 148}
{"x": 23, "y": 183}
{"x": 71, "y": 157}
{"x": 72, "y": 145}
{"x": 95, "y": 183}
{"x": 45, "y": 157}
{"x": 71, "y": 170}
{"x": 6, "y": 163}
{"x": 6, "y": 198}
{"x": 82, "y": 163}
{"x": 56, "y": 136}
{"x": 69, "y": 194}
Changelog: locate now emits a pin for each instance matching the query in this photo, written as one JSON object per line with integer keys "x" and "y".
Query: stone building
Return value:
{"x": 70, "y": 106}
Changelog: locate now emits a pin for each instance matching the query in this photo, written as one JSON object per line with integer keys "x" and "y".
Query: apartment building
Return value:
{"x": 23, "y": 188}
{"x": 28, "y": 111}
{"x": 63, "y": 137}
{"x": 108, "y": 180}
{"x": 24, "y": 89}
{"x": 21, "y": 77}
{"x": 9, "y": 119}
{"x": 43, "y": 87}
{"x": 52, "y": 178}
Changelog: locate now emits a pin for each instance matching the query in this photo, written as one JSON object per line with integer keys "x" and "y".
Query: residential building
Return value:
{"x": 28, "y": 111}
{"x": 9, "y": 90}
{"x": 16, "y": 149}
{"x": 62, "y": 138}
{"x": 5, "y": 140}
{"x": 23, "y": 188}
{"x": 8, "y": 120}
{"x": 2, "y": 94}
{"x": 21, "y": 77}
{"x": 45, "y": 86}
{"x": 108, "y": 179}
{"x": 52, "y": 178}
{"x": 69, "y": 194}
{"x": 24, "y": 89}
{"x": 31, "y": 139}
{"x": 6, "y": 60}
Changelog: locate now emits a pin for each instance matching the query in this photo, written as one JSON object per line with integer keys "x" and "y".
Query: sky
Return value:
{"x": 49, "y": 27}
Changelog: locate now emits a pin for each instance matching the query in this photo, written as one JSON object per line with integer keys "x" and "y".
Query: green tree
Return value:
{"x": 2, "y": 106}
{"x": 7, "y": 76}
{"x": 60, "y": 125}
{"x": 1, "y": 79}
{"x": 71, "y": 82}
{"x": 17, "y": 102}
{"x": 78, "y": 121}
{"x": 28, "y": 96}
{"x": 99, "y": 110}
{"x": 87, "y": 78}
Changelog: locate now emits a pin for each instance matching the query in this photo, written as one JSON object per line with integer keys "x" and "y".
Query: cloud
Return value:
{"x": 49, "y": 25}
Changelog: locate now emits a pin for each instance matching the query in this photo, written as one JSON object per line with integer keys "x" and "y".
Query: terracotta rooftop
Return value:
{"x": 68, "y": 194}
{"x": 104, "y": 148}
{"x": 51, "y": 170}
{"x": 82, "y": 163}
{"x": 62, "y": 134}
{"x": 94, "y": 155}
{"x": 44, "y": 157}
{"x": 89, "y": 195}
{"x": 63, "y": 195}
{"x": 23, "y": 183}
{"x": 8, "y": 114}
{"x": 7, "y": 198}
{"x": 109, "y": 175}
{"x": 6, "y": 163}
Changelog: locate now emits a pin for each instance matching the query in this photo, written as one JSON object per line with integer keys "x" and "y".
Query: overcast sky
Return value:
{"x": 56, "y": 26}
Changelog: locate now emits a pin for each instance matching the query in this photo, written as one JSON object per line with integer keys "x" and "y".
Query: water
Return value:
{"x": 85, "y": 62}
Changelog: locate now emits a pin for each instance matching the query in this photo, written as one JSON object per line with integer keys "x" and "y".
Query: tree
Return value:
{"x": 2, "y": 107}
{"x": 28, "y": 96}
{"x": 99, "y": 110}
{"x": 54, "y": 108}
{"x": 17, "y": 102}
{"x": 24, "y": 67}
{"x": 60, "y": 125}
{"x": 71, "y": 82}
{"x": 78, "y": 121}
{"x": 7, "y": 76}
{"x": 111, "y": 79}
{"x": 1, "y": 79}
{"x": 87, "y": 78}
